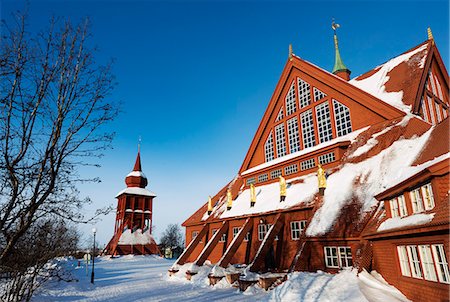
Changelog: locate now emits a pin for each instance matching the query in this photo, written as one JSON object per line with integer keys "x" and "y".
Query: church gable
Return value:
{"x": 433, "y": 100}
{"x": 311, "y": 106}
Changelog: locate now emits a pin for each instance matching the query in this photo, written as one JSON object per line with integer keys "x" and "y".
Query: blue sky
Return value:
{"x": 195, "y": 77}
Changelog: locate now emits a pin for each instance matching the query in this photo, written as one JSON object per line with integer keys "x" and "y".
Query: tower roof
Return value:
{"x": 136, "y": 178}
{"x": 339, "y": 65}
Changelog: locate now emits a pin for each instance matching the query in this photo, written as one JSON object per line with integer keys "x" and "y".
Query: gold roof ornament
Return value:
{"x": 282, "y": 186}
{"x": 209, "y": 204}
{"x": 430, "y": 34}
{"x": 291, "y": 53}
{"x": 321, "y": 178}
{"x": 252, "y": 194}
{"x": 229, "y": 200}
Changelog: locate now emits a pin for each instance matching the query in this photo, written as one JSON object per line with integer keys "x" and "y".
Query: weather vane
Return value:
{"x": 334, "y": 26}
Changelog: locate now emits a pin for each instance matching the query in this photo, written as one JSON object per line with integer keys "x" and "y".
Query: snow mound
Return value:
{"x": 376, "y": 289}
{"x": 401, "y": 222}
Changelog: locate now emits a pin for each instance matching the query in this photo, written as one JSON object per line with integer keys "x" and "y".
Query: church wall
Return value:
{"x": 386, "y": 262}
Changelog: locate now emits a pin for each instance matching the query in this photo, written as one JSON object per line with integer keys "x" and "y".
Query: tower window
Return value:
{"x": 309, "y": 139}
{"x": 290, "y": 101}
{"x": 280, "y": 140}
{"x": 324, "y": 122}
{"x": 268, "y": 147}
{"x": 304, "y": 93}
{"x": 342, "y": 118}
{"x": 294, "y": 141}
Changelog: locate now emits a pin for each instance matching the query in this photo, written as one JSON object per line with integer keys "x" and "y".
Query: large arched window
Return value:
{"x": 294, "y": 141}
{"x": 342, "y": 118}
{"x": 304, "y": 93}
{"x": 309, "y": 139}
{"x": 280, "y": 140}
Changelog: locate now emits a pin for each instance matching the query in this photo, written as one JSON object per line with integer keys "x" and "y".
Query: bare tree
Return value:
{"x": 172, "y": 237}
{"x": 54, "y": 100}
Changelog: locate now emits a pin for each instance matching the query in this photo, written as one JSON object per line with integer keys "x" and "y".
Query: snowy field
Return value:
{"x": 145, "y": 278}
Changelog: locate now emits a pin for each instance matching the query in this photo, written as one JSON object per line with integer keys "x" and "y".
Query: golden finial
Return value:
{"x": 229, "y": 200}
{"x": 209, "y": 205}
{"x": 430, "y": 34}
{"x": 252, "y": 195}
{"x": 291, "y": 53}
{"x": 282, "y": 188}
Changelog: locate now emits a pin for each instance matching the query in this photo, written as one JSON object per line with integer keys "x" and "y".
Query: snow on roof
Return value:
{"x": 399, "y": 222}
{"x": 349, "y": 137}
{"x": 137, "y": 237}
{"x": 375, "y": 83}
{"x": 268, "y": 197}
{"x": 364, "y": 180}
{"x": 137, "y": 173}
{"x": 136, "y": 191}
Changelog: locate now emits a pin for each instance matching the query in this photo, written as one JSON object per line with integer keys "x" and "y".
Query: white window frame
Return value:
{"x": 262, "y": 230}
{"x": 280, "y": 115}
{"x": 297, "y": 228}
{"x": 441, "y": 263}
{"x": 293, "y": 136}
{"x": 327, "y": 158}
{"x": 250, "y": 181}
{"x": 345, "y": 260}
{"x": 308, "y": 130}
{"x": 394, "y": 207}
{"x": 416, "y": 201}
{"x": 280, "y": 140}
{"x": 304, "y": 92}
{"x": 402, "y": 209}
{"x": 427, "y": 196}
{"x": 429, "y": 272}
{"x": 291, "y": 102}
{"x": 308, "y": 164}
{"x": 342, "y": 118}
{"x": 414, "y": 262}
{"x": 323, "y": 117}
{"x": 318, "y": 94}
{"x": 404, "y": 260}
{"x": 291, "y": 169}
{"x": 275, "y": 173}
{"x": 263, "y": 177}
{"x": 247, "y": 236}
{"x": 223, "y": 238}
{"x": 194, "y": 234}
{"x": 269, "y": 151}
{"x": 236, "y": 231}
{"x": 331, "y": 260}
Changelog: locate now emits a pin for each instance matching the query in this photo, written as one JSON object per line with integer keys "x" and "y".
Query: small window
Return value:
{"x": 416, "y": 199}
{"x": 308, "y": 164}
{"x": 262, "y": 230}
{"x": 247, "y": 236}
{"x": 326, "y": 158}
{"x": 441, "y": 263}
{"x": 291, "y": 169}
{"x": 428, "y": 199}
{"x": 236, "y": 231}
{"x": 394, "y": 207}
{"x": 280, "y": 115}
{"x": 297, "y": 228}
{"x": 331, "y": 257}
{"x": 250, "y": 181}
{"x": 223, "y": 238}
{"x": 214, "y": 231}
{"x": 404, "y": 262}
{"x": 402, "y": 206}
{"x": 194, "y": 234}
{"x": 263, "y": 177}
{"x": 275, "y": 173}
{"x": 345, "y": 256}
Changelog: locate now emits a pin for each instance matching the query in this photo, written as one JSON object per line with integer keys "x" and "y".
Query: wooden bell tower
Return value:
{"x": 133, "y": 227}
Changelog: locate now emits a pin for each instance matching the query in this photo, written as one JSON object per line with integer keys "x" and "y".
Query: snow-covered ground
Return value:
{"x": 145, "y": 278}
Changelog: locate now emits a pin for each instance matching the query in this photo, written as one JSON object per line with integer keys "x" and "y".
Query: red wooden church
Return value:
{"x": 341, "y": 173}
{"x": 133, "y": 227}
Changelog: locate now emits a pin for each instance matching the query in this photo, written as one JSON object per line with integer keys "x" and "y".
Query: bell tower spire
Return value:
{"x": 339, "y": 68}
